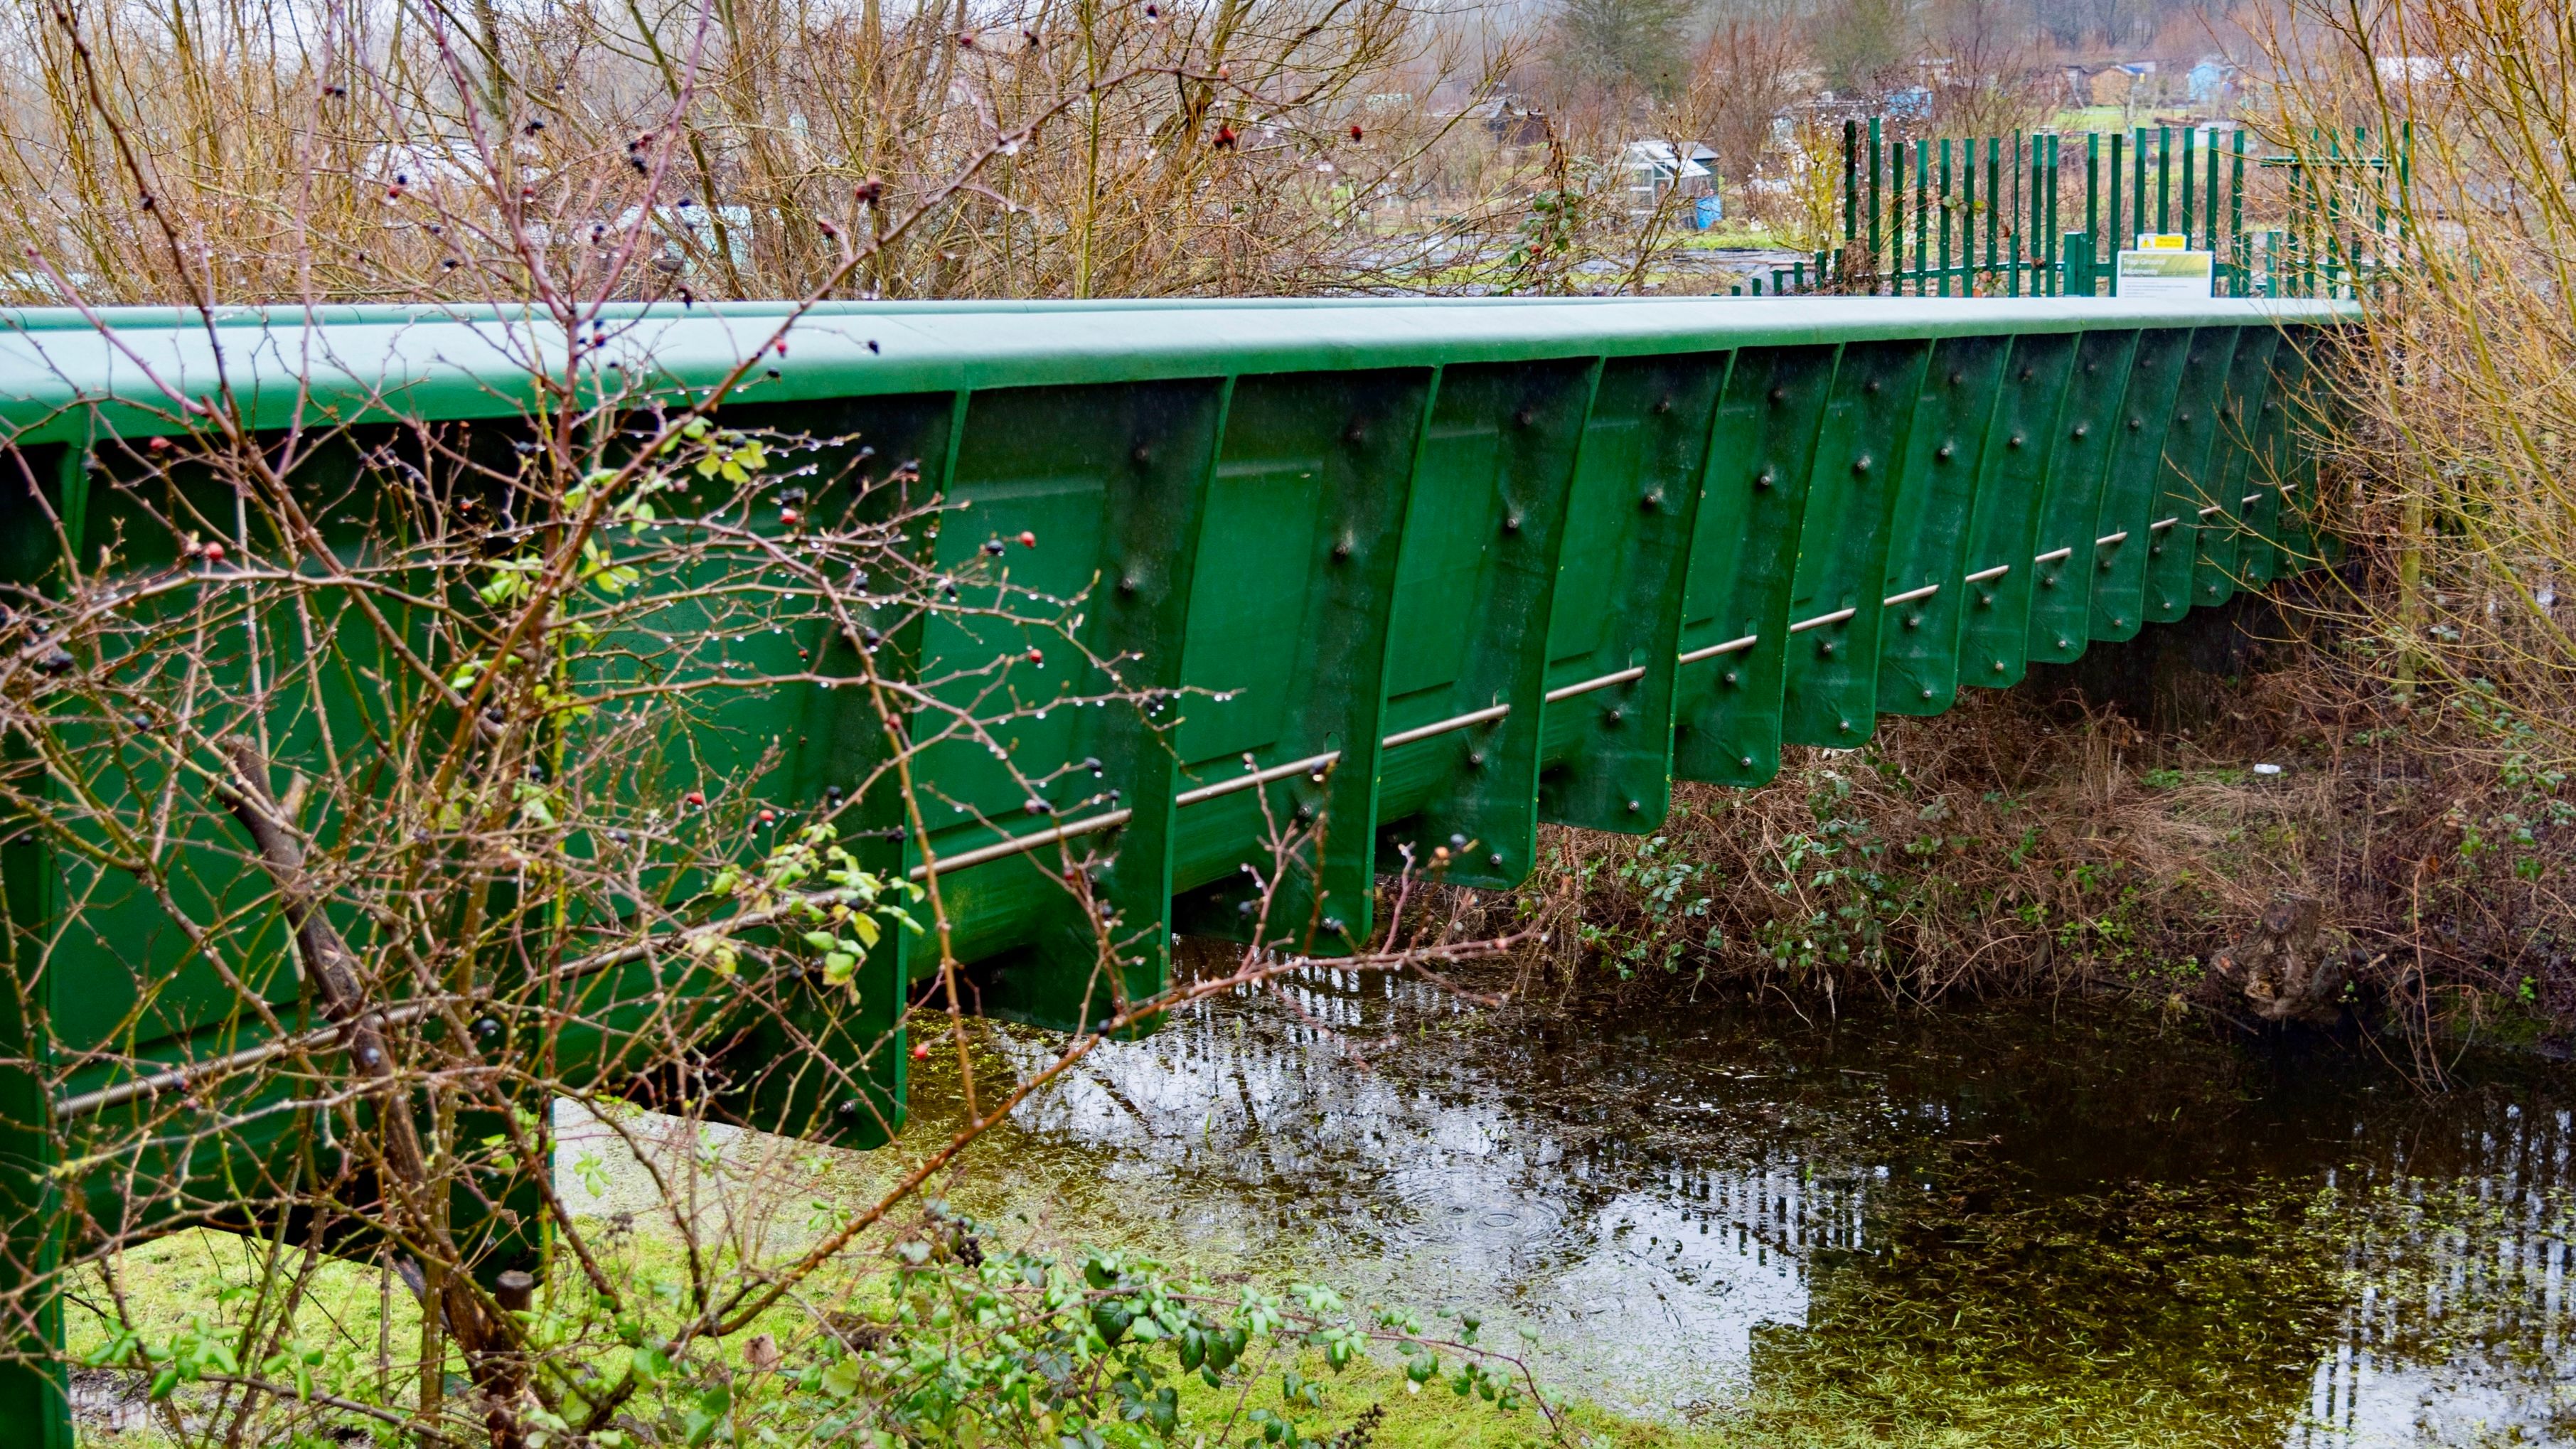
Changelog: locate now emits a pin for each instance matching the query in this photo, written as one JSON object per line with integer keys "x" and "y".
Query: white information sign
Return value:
{"x": 2166, "y": 275}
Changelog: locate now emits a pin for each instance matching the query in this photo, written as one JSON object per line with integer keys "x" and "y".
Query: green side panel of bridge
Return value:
{"x": 2123, "y": 531}
{"x": 1945, "y": 448}
{"x": 1744, "y": 560}
{"x": 2191, "y": 440}
{"x": 2012, "y": 499}
{"x": 1415, "y": 576}
{"x": 1287, "y": 642}
{"x": 1830, "y": 695}
{"x": 1473, "y": 596}
{"x": 2220, "y": 490}
{"x": 1607, "y": 757}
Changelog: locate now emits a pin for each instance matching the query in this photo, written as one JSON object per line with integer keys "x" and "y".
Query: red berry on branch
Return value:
{"x": 214, "y": 553}
{"x": 921, "y": 1051}
{"x": 1028, "y": 540}
{"x": 768, "y": 816}
{"x": 695, "y": 797}
{"x": 1355, "y": 133}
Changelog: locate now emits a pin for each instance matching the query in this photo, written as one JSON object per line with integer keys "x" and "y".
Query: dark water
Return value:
{"x": 2070, "y": 1225}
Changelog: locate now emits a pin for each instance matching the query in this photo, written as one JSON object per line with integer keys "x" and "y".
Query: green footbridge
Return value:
{"x": 1430, "y": 572}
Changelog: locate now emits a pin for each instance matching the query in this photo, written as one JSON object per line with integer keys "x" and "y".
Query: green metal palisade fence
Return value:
{"x": 2043, "y": 214}
{"x": 1436, "y": 571}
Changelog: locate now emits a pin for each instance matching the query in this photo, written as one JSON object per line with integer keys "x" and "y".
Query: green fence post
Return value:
{"x": 2137, "y": 184}
{"x": 1998, "y": 219}
{"x": 1943, "y": 271}
{"x": 1878, "y": 258}
{"x": 2017, "y": 221}
{"x": 1851, "y": 180}
{"x": 2164, "y": 179}
{"x": 2236, "y": 247}
{"x": 2056, "y": 173}
{"x": 2036, "y": 220}
{"x": 1744, "y": 554}
{"x": 1968, "y": 217}
{"x": 1922, "y": 210}
{"x": 2209, "y": 228}
{"x": 2092, "y": 211}
{"x": 2119, "y": 236}
{"x": 1918, "y": 669}
{"x": 2189, "y": 211}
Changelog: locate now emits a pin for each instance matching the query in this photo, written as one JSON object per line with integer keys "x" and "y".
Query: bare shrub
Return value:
{"x": 1145, "y": 148}
{"x": 417, "y": 776}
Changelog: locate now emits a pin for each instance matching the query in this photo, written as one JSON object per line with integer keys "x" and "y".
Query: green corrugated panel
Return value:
{"x": 2062, "y": 569}
{"x": 2296, "y": 461}
{"x": 831, "y": 1063}
{"x": 2221, "y": 487}
{"x": 2129, "y": 494}
{"x": 2267, "y": 469}
{"x": 1110, "y": 481}
{"x": 2173, "y": 550}
{"x": 1467, "y": 661}
{"x": 1616, "y": 623}
{"x": 1744, "y": 555}
{"x": 2002, "y": 539}
{"x": 1830, "y": 696}
{"x": 1288, "y": 615}
{"x": 1918, "y": 669}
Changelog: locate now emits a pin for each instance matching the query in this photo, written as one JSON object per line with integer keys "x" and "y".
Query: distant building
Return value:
{"x": 2210, "y": 84}
{"x": 1657, "y": 169}
{"x": 2120, "y": 85}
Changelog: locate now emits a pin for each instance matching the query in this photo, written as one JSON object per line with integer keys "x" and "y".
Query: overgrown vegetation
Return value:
{"x": 2053, "y": 839}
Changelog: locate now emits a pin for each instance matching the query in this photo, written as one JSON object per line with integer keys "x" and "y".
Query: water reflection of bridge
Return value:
{"x": 1649, "y": 1199}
